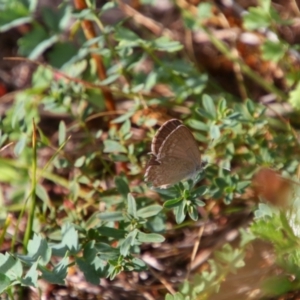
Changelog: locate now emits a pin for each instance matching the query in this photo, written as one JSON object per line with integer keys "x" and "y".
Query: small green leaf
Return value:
{"x": 180, "y": 212}
{"x": 203, "y": 113}
{"x": 265, "y": 5}
{"x": 20, "y": 145}
{"x": 241, "y": 185}
{"x": 204, "y": 10}
{"x": 113, "y": 146}
{"x": 70, "y": 237}
{"x": 222, "y": 106}
{"x": 131, "y": 204}
{"x": 139, "y": 265}
{"x": 91, "y": 264}
{"x": 128, "y": 242}
{"x": 234, "y": 115}
{"x": 209, "y": 106}
{"x": 3, "y": 138}
{"x": 42, "y": 77}
{"x": 19, "y": 112}
{"x": 173, "y": 202}
{"x": 138, "y": 88}
{"x": 177, "y": 296}
{"x": 4, "y": 282}
{"x": 214, "y": 132}
{"x": 111, "y": 232}
{"x": 32, "y": 276}
{"x": 123, "y": 117}
{"x": 111, "y": 216}
{"x": 110, "y": 79}
{"x": 108, "y": 6}
{"x": 150, "y": 237}
{"x": 98, "y": 134}
{"x": 107, "y": 252}
{"x": 15, "y": 23}
{"x": 11, "y": 267}
{"x": 43, "y": 46}
{"x": 122, "y": 186}
{"x": 58, "y": 274}
{"x": 165, "y": 44}
{"x": 74, "y": 189}
{"x": 228, "y": 255}
{"x": 32, "y": 39}
{"x": 88, "y": 270}
{"x": 170, "y": 297}
{"x": 193, "y": 213}
{"x": 150, "y": 81}
{"x": 61, "y": 163}
{"x": 123, "y": 34}
{"x": 80, "y": 162}
{"x": 198, "y": 125}
{"x": 251, "y": 107}
{"x": 38, "y": 249}
{"x": 294, "y": 97}
{"x": 125, "y": 130}
{"x": 62, "y": 133}
{"x": 221, "y": 182}
{"x": 200, "y": 191}
{"x": 228, "y": 198}
{"x": 49, "y": 17}
{"x": 256, "y": 18}
{"x": 263, "y": 211}
{"x": 273, "y": 51}
{"x": 199, "y": 202}
{"x": 42, "y": 194}
{"x": 149, "y": 211}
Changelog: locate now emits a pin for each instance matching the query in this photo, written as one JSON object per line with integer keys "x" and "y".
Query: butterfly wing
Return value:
{"x": 164, "y": 131}
{"x": 181, "y": 144}
{"x": 168, "y": 171}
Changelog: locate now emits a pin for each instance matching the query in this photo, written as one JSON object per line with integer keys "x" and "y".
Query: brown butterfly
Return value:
{"x": 175, "y": 155}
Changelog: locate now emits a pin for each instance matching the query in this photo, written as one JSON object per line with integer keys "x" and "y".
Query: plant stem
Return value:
{"x": 29, "y": 227}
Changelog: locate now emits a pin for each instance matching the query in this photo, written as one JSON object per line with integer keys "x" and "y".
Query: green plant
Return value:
{"x": 100, "y": 167}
